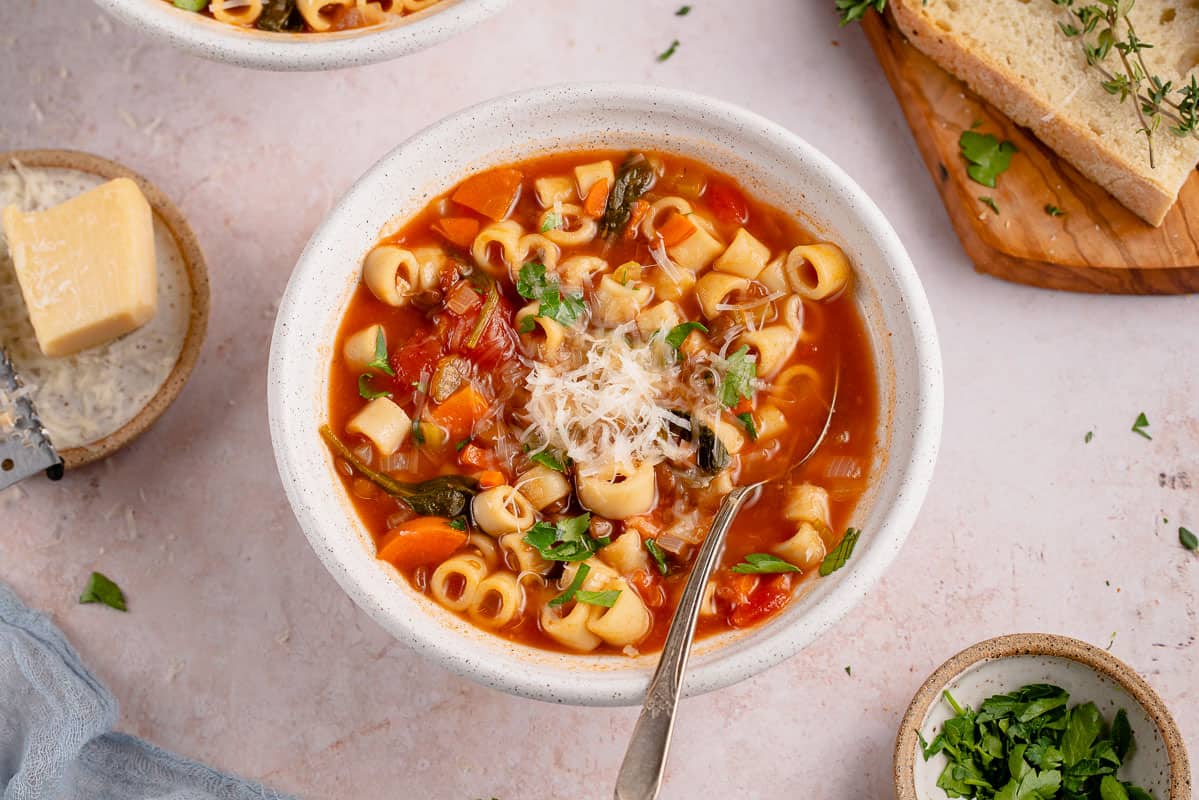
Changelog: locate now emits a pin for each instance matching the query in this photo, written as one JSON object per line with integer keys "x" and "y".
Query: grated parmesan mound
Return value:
{"x": 609, "y": 408}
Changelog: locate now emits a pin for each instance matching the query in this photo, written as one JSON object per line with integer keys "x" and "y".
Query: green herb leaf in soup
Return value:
{"x": 763, "y": 564}
{"x": 839, "y": 555}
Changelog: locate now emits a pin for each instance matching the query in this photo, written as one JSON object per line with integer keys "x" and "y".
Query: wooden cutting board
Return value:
{"x": 1097, "y": 245}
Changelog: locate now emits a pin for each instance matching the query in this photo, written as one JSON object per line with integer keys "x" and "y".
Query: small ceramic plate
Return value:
{"x": 1158, "y": 763}
{"x": 181, "y": 320}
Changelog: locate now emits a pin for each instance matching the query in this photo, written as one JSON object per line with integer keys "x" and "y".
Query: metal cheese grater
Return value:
{"x": 24, "y": 446}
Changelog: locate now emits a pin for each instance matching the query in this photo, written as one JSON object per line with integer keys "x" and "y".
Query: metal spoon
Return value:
{"x": 644, "y": 764}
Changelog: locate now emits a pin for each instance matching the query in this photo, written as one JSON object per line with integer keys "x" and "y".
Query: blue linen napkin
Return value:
{"x": 56, "y": 720}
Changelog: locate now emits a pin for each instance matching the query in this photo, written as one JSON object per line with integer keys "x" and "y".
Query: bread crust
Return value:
{"x": 1126, "y": 181}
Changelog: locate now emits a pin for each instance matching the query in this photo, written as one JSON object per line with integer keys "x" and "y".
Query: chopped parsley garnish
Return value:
{"x": 763, "y": 564}
{"x": 191, "y": 5}
{"x": 1087, "y": 439}
{"x": 987, "y": 157}
{"x": 607, "y": 599}
{"x": 853, "y": 10}
{"x": 101, "y": 589}
{"x": 839, "y": 555}
{"x": 380, "y": 360}
{"x": 1188, "y": 540}
{"x": 747, "y": 419}
{"x": 572, "y": 590}
{"x": 565, "y": 540}
{"x": 679, "y": 333}
{"x": 849, "y": 671}
{"x": 1053, "y": 210}
{"x": 683, "y": 11}
{"x": 548, "y": 458}
{"x": 990, "y": 202}
{"x": 458, "y": 448}
{"x": 458, "y": 524}
{"x": 738, "y": 378}
{"x": 553, "y": 222}
{"x": 533, "y": 284}
{"x": 1140, "y": 425}
{"x": 659, "y": 556}
{"x": 668, "y": 52}
{"x": 364, "y": 388}
{"x": 418, "y": 434}
{"x": 1030, "y": 745}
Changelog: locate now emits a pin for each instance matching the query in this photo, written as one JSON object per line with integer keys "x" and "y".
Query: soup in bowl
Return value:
{"x": 302, "y": 34}
{"x": 510, "y": 387}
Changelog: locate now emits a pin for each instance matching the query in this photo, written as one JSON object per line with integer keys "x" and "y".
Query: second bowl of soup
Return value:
{"x": 511, "y": 385}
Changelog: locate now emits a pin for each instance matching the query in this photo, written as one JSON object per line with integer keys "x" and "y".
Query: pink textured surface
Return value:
{"x": 241, "y": 651}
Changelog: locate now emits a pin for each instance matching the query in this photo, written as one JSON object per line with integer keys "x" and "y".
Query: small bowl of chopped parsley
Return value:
{"x": 1039, "y": 717}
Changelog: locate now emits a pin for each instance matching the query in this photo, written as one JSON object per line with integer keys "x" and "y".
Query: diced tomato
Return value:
{"x": 767, "y": 600}
{"x": 735, "y": 589}
{"x": 417, "y": 356}
{"x": 497, "y": 340}
{"x": 727, "y": 203}
{"x": 744, "y": 406}
{"x": 649, "y": 586}
{"x": 640, "y": 209}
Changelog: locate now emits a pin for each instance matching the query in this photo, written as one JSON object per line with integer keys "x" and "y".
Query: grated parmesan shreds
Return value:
{"x": 610, "y": 409}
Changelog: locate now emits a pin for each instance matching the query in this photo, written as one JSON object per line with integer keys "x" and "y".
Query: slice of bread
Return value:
{"x": 1012, "y": 53}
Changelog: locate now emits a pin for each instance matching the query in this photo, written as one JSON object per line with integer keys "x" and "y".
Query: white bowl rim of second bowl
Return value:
{"x": 562, "y": 684}
{"x": 301, "y": 52}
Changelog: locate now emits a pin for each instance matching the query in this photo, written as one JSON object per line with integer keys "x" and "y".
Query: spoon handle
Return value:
{"x": 640, "y": 776}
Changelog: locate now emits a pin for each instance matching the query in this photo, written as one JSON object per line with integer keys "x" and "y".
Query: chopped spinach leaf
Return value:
{"x": 569, "y": 594}
{"x": 679, "y": 333}
{"x": 659, "y": 555}
{"x": 763, "y": 564}
{"x": 839, "y": 555}
{"x": 635, "y": 177}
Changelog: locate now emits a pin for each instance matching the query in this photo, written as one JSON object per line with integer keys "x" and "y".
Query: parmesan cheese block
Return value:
{"x": 86, "y": 267}
{"x": 85, "y": 397}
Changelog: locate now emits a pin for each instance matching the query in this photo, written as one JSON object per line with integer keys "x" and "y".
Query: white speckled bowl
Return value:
{"x": 773, "y": 164}
{"x": 1158, "y": 763}
{"x": 219, "y": 41}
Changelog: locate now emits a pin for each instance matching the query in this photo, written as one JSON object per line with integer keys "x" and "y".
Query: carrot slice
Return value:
{"x": 640, "y": 209}
{"x": 421, "y": 541}
{"x": 676, "y": 230}
{"x": 473, "y": 456}
{"x": 460, "y": 411}
{"x": 491, "y": 193}
{"x": 490, "y": 478}
{"x": 458, "y": 230}
{"x": 597, "y": 198}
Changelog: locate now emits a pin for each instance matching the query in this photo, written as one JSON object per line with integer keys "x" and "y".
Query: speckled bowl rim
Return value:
{"x": 197, "y": 273}
{"x": 255, "y": 49}
{"x": 907, "y": 744}
{"x": 565, "y": 678}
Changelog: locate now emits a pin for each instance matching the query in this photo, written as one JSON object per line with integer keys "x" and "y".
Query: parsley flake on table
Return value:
{"x": 990, "y": 202}
{"x": 668, "y": 52}
{"x": 1140, "y": 426}
{"x": 987, "y": 157}
{"x": 1188, "y": 540}
{"x": 1053, "y": 210}
{"x": 1087, "y": 439}
{"x": 101, "y": 589}
{"x": 683, "y": 11}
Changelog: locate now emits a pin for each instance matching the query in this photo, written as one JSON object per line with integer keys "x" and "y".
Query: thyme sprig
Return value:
{"x": 1104, "y": 26}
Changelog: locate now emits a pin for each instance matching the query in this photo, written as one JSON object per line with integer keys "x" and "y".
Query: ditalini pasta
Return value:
{"x": 304, "y": 16}
{"x": 549, "y": 378}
